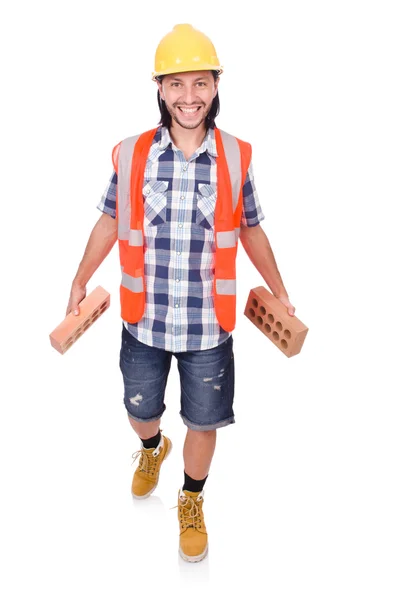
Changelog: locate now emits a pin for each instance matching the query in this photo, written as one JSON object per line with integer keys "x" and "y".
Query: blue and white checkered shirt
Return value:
{"x": 179, "y": 244}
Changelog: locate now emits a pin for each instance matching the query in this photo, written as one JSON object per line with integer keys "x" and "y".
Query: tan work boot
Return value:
{"x": 193, "y": 539}
{"x": 146, "y": 476}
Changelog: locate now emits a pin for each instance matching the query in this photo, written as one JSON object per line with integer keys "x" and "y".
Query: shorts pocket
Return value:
{"x": 206, "y": 200}
{"x": 155, "y": 194}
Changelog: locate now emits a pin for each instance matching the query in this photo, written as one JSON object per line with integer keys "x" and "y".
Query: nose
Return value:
{"x": 188, "y": 96}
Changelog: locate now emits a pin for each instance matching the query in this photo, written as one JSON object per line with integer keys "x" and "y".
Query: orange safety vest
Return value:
{"x": 129, "y": 160}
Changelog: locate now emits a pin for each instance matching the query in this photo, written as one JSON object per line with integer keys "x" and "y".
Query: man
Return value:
{"x": 180, "y": 197}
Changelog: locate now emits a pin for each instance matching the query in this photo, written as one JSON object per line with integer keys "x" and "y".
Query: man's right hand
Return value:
{"x": 77, "y": 294}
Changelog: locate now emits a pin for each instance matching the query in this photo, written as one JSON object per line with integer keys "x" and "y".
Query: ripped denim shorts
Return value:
{"x": 206, "y": 377}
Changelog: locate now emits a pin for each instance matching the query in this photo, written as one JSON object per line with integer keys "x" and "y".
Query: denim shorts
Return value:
{"x": 206, "y": 378}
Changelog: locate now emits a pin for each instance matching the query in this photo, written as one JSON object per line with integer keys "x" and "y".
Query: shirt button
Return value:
{"x": 178, "y": 253}
{"x": 176, "y": 305}
{"x": 185, "y": 167}
{"x": 180, "y": 224}
{"x": 177, "y": 280}
{"x": 182, "y": 197}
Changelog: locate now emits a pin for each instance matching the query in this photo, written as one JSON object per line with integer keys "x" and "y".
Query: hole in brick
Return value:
{"x": 260, "y": 320}
{"x": 103, "y": 309}
{"x": 271, "y": 318}
{"x": 287, "y": 334}
{"x": 78, "y": 332}
{"x": 284, "y": 344}
{"x": 103, "y": 306}
{"x": 69, "y": 341}
{"x": 263, "y": 310}
{"x": 268, "y": 328}
{"x": 255, "y": 302}
{"x": 279, "y": 326}
{"x": 95, "y": 313}
{"x": 94, "y": 317}
{"x": 276, "y": 336}
{"x": 86, "y": 326}
{"x": 251, "y": 312}
{"x": 68, "y": 345}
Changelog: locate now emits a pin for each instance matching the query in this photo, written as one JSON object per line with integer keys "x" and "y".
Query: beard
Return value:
{"x": 186, "y": 125}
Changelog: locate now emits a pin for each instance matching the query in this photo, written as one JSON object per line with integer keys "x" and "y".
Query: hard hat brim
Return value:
{"x": 187, "y": 70}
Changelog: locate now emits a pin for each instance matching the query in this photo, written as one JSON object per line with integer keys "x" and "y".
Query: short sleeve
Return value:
{"x": 252, "y": 212}
{"x": 108, "y": 201}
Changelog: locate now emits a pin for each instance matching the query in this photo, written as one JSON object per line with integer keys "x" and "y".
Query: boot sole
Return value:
{"x": 194, "y": 558}
{"x": 152, "y": 490}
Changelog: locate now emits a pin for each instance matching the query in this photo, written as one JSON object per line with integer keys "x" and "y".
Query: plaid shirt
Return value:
{"x": 179, "y": 244}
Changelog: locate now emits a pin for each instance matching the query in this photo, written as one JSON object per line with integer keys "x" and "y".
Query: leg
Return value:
{"x": 207, "y": 391}
{"x": 198, "y": 451}
{"x": 144, "y": 430}
{"x": 145, "y": 371}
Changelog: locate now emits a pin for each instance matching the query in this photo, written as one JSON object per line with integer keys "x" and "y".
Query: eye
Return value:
{"x": 175, "y": 84}
{"x": 201, "y": 83}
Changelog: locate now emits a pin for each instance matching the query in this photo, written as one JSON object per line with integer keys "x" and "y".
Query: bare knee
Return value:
{"x": 144, "y": 430}
{"x": 202, "y": 434}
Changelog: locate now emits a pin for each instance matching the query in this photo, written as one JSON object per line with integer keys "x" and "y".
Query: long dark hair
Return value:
{"x": 165, "y": 117}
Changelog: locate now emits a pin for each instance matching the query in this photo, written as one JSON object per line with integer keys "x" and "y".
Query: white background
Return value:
{"x": 301, "y": 498}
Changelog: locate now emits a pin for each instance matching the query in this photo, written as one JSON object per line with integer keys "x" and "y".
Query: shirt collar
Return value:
{"x": 208, "y": 145}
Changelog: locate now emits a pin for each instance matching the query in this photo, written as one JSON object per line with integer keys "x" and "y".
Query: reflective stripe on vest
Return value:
{"x": 123, "y": 189}
{"x": 226, "y": 286}
{"x": 233, "y": 158}
{"x": 136, "y": 238}
{"x": 134, "y": 284}
{"x": 227, "y": 239}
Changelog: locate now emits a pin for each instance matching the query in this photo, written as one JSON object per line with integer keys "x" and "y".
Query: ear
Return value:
{"x": 160, "y": 87}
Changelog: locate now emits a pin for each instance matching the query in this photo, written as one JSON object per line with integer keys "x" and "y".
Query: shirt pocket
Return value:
{"x": 206, "y": 199}
{"x": 155, "y": 194}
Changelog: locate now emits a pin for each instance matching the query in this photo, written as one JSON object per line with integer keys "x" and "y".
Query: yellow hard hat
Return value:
{"x": 185, "y": 49}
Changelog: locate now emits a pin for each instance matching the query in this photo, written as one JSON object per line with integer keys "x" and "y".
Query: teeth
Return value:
{"x": 189, "y": 110}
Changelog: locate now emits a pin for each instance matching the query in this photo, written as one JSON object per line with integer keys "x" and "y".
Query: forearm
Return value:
{"x": 101, "y": 241}
{"x": 260, "y": 253}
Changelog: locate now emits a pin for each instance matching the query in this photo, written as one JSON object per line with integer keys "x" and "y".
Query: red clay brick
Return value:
{"x": 270, "y": 316}
{"x": 72, "y": 327}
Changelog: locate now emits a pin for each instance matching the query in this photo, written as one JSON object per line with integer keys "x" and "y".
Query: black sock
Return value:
{"x": 193, "y": 485}
{"x": 152, "y": 442}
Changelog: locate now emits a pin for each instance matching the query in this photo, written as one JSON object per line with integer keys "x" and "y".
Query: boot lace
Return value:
{"x": 190, "y": 512}
{"x": 147, "y": 461}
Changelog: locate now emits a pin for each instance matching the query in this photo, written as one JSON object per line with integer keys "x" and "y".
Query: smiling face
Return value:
{"x": 188, "y": 96}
